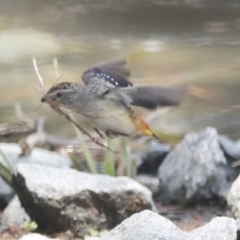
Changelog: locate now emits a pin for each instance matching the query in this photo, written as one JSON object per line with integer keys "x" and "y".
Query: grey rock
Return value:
{"x": 150, "y": 182}
{"x": 38, "y": 156}
{"x": 146, "y": 225}
{"x": 238, "y": 223}
{"x": 232, "y": 153}
{"x": 231, "y": 148}
{"x": 62, "y": 199}
{"x": 92, "y": 238}
{"x": 238, "y": 228}
{"x": 195, "y": 170}
{"x": 36, "y": 236}
{"x": 233, "y": 198}
{"x": 3, "y": 228}
{"x": 152, "y": 157}
{"x": 14, "y": 214}
{"x": 220, "y": 228}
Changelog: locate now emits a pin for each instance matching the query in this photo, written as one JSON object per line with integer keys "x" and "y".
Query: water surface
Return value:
{"x": 167, "y": 42}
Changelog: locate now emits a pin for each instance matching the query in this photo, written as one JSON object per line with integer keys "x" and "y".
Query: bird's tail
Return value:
{"x": 143, "y": 127}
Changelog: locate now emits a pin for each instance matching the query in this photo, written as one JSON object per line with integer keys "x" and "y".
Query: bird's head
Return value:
{"x": 62, "y": 94}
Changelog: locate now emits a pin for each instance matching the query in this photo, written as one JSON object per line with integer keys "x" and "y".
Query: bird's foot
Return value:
{"x": 113, "y": 134}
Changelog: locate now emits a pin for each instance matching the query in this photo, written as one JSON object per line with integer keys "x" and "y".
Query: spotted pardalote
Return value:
{"x": 108, "y": 97}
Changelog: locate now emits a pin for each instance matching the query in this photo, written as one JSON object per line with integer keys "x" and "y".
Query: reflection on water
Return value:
{"x": 168, "y": 42}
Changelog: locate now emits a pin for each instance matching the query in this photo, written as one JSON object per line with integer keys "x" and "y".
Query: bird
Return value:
{"x": 107, "y": 99}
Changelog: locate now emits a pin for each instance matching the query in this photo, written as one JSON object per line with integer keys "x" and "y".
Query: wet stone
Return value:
{"x": 195, "y": 171}
{"x": 63, "y": 199}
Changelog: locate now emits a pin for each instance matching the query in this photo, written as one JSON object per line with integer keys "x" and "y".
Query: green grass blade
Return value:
{"x": 133, "y": 170}
{"x": 90, "y": 161}
{"x": 109, "y": 163}
{"x": 5, "y": 173}
{"x": 5, "y": 159}
{"x": 77, "y": 165}
{"x": 126, "y": 155}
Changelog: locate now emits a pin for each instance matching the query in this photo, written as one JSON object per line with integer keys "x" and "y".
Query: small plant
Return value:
{"x": 92, "y": 233}
{"x": 29, "y": 226}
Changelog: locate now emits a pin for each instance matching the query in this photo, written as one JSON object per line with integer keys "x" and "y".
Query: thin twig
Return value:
{"x": 24, "y": 118}
{"x": 28, "y": 143}
{"x": 57, "y": 70}
{"x": 40, "y": 79}
{"x": 56, "y": 67}
{"x": 66, "y": 116}
{"x": 7, "y": 129}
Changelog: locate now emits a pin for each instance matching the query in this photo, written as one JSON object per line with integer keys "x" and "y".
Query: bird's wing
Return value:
{"x": 148, "y": 97}
{"x": 115, "y": 74}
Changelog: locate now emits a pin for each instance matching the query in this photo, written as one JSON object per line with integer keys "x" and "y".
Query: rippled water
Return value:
{"x": 167, "y": 42}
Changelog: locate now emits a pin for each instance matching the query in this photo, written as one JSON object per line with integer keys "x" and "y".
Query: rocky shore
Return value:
{"x": 202, "y": 170}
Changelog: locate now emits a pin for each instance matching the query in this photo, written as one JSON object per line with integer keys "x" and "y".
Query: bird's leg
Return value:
{"x": 99, "y": 133}
{"x": 113, "y": 134}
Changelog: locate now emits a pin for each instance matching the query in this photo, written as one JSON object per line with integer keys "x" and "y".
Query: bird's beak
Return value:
{"x": 44, "y": 99}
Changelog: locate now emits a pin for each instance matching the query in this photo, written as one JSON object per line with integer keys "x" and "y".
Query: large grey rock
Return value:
{"x": 36, "y": 236}
{"x": 233, "y": 198}
{"x": 38, "y": 156}
{"x": 146, "y": 225}
{"x": 220, "y": 228}
{"x": 195, "y": 170}
{"x": 14, "y": 214}
{"x": 62, "y": 199}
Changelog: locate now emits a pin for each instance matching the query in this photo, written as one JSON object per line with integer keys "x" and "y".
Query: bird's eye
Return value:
{"x": 59, "y": 94}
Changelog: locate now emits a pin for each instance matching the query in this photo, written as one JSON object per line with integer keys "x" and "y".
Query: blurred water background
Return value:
{"x": 193, "y": 42}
